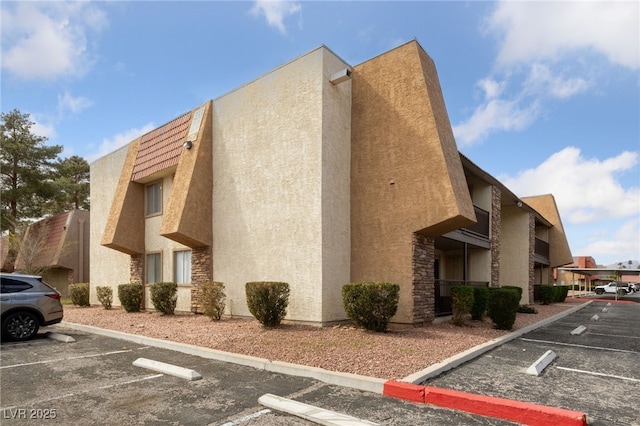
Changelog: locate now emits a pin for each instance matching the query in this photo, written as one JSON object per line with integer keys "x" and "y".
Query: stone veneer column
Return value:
{"x": 532, "y": 249}
{"x": 496, "y": 224}
{"x": 201, "y": 272}
{"x": 423, "y": 279}
{"x": 136, "y": 269}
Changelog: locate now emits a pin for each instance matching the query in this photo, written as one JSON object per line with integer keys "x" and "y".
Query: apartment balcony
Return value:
{"x": 481, "y": 227}
{"x": 541, "y": 251}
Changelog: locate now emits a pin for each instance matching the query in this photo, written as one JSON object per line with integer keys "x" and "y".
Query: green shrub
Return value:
{"x": 105, "y": 296}
{"x": 212, "y": 299}
{"x": 560, "y": 293}
{"x": 267, "y": 301}
{"x": 371, "y": 304}
{"x": 526, "y": 309}
{"x": 502, "y": 308}
{"x": 164, "y": 296}
{"x": 130, "y": 296}
{"x": 79, "y": 294}
{"x": 462, "y": 298}
{"x": 514, "y": 288}
{"x": 547, "y": 294}
{"x": 480, "y": 299}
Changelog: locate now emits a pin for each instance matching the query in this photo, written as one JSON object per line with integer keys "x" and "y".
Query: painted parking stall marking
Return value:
{"x": 47, "y": 361}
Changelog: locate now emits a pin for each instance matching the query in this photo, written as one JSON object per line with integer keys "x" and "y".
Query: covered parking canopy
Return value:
{"x": 618, "y": 272}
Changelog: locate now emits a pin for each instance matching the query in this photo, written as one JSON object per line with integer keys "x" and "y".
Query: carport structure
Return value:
{"x": 618, "y": 272}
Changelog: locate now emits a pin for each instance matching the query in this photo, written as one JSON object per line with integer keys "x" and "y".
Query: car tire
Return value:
{"x": 599, "y": 291}
{"x": 20, "y": 326}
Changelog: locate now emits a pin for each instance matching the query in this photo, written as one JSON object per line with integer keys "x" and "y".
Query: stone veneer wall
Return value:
{"x": 201, "y": 272}
{"x": 136, "y": 268}
{"x": 496, "y": 224}
{"x": 423, "y": 279}
{"x": 532, "y": 246}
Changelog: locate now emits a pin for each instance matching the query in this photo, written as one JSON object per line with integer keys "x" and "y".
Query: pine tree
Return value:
{"x": 71, "y": 184}
{"x": 26, "y": 168}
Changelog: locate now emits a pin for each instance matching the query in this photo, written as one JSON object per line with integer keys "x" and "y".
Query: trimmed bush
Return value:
{"x": 371, "y": 304}
{"x": 502, "y": 308}
{"x": 212, "y": 299}
{"x": 514, "y": 288}
{"x": 164, "y": 296}
{"x": 480, "y": 299}
{"x": 560, "y": 293}
{"x": 79, "y": 294}
{"x": 130, "y": 296}
{"x": 105, "y": 296}
{"x": 462, "y": 297}
{"x": 547, "y": 294}
{"x": 267, "y": 301}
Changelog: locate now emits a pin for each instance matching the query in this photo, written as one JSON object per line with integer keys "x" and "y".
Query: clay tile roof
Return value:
{"x": 160, "y": 148}
{"x": 54, "y": 228}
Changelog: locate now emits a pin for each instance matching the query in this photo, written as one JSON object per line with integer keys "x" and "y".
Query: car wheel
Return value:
{"x": 20, "y": 326}
{"x": 599, "y": 291}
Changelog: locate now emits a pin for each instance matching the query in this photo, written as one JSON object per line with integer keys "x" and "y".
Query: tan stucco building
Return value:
{"x": 318, "y": 173}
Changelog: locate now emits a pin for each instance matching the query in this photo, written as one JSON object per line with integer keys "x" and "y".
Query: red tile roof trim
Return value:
{"x": 160, "y": 149}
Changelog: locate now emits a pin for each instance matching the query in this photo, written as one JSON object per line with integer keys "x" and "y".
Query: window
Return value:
{"x": 182, "y": 267}
{"x": 154, "y": 268}
{"x": 153, "y": 195}
{"x": 14, "y": 286}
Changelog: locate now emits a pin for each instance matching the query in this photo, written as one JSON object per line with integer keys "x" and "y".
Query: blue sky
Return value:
{"x": 545, "y": 96}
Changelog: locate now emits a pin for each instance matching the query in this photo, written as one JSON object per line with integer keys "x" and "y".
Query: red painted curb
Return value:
{"x": 402, "y": 390}
{"x": 501, "y": 408}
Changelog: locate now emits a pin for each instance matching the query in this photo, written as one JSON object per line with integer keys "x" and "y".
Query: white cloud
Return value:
{"x": 121, "y": 139}
{"x": 538, "y": 46}
{"x": 620, "y": 244}
{"x": 533, "y": 31}
{"x": 41, "y": 129}
{"x": 49, "y": 39}
{"x": 541, "y": 79}
{"x": 66, "y": 102}
{"x": 275, "y": 11}
{"x": 586, "y": 190}
{"x": 493, "y": 115}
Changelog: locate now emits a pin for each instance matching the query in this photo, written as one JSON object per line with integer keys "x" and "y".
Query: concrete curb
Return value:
{"x": 162, "y": 367}
{"x": 458, "y": 359}
{"x": 60, "y": 337}
{"x": 506, "y": 409}
{"x": 369, "y": 384}
{"x": 311, "y": 413}
{"x": 541, "y": 363}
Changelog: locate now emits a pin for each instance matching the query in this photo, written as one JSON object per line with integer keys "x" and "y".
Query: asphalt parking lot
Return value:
{"x": 596, "y": 372}
{"x": 93, "y": 381}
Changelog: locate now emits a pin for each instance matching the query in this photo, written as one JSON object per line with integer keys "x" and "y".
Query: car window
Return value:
{"x": 10, "y": 285}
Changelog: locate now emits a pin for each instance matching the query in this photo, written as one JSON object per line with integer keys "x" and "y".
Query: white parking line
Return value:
{"x": 63, "y": 359}
{"x": 67, "y": 395}
{"x": 247, "y": 418}
{"x": 614, "y": 335}
{"x": 594, "y": 373}
{"x": 549, "y": 342}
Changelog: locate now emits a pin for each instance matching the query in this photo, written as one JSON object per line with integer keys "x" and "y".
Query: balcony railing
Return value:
{"x": 481, "y": 227}
{"x": 443, "y": 294}
{"x": 541, "y": 248}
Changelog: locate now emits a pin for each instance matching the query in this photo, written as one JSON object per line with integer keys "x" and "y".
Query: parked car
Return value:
{"x": 614, "y": 286}
{"x": 27, "y": 303}
{"x": 634, "y": 287}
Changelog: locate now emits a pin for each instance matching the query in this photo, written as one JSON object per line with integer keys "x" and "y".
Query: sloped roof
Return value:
{"x": 161, "y": 148}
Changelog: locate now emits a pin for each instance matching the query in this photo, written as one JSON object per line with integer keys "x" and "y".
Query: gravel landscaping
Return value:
{"x": 391, "y": 355}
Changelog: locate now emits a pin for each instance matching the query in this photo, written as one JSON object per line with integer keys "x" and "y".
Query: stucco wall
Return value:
{"x": 406, "y": 171}
{"x": 108, "y": 267}
{"x": 269, "y": 184}
{"x": 155, "y": 243}
{"x": 514, "y": 250}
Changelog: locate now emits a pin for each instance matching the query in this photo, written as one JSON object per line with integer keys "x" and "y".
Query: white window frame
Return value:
{"x": 153, "y": 262}
{"x": 153, "y": 199}
{"x": 182, "y": 266}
